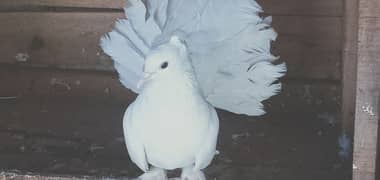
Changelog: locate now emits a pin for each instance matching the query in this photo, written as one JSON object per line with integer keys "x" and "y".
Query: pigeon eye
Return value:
{"x": 164, "y": 65}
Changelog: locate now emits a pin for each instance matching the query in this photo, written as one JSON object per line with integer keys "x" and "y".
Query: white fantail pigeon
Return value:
{"x": 180, "y": 55}
{"x": 170, "y": 124}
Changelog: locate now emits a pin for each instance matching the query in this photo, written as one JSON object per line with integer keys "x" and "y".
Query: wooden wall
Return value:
{"x": 66, "y": 99}
{"x": 367, "y": 110}
{"x": 59, "y": 37}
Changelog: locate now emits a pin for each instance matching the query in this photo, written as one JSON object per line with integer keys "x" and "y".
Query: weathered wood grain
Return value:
{"x": 310, "y": 46}
{"x": 302, "y": 7}
{"x": 349, "y": 66}
{"x": 291, "y": 7}
{"x": 309, "y": 27}
{"x": 52, "y": 83}
{"x": 23, "y": 82}
{"x": 55, "y": 38}
{"x": 62, "y": 3}
{"x": 370, "y": 8}
{"x": 367, "y": 91}
{"x": 369, "y": 38}
{"x": 310, "y": 58}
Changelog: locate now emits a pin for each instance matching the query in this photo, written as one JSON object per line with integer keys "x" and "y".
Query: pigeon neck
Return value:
{"x": 174, "y": 83}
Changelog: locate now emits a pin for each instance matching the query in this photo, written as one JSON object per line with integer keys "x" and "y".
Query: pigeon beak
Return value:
{"x": 146, "y": 77}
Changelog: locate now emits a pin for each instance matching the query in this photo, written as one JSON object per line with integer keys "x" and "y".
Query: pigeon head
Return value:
{"x": 167, "y": 60}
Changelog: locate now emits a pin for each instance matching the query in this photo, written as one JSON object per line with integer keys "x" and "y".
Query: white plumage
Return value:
{"x": 170, "y": 125}
{"x": 223, "y": 59}
{"x": 228, "y": 44}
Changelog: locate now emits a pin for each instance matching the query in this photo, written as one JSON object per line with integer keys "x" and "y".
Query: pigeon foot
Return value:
{"x": 154, "y": 174}
{"x": 189, "y": 173}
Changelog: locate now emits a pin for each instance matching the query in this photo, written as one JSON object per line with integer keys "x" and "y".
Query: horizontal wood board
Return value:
{"x": 105, "y": 86}
{"x": 311, "y": 46}
{"x": 291, "y": 7}
{"x": 11, "y": 4}
{"x": 309, "y": 34}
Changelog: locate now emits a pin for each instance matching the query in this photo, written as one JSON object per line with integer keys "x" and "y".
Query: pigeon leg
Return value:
{"x": 189, "y": 173}
{"x": 154, "y": 174}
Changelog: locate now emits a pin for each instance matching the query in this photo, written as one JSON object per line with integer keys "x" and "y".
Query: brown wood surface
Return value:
{"x": 63, "y": 3}
{"x": 53, "y": 115}
{"x": 370, "y": 8}
{"x": 55, "y": 38}
{"x": 309, "y": 35}
{"x": 368, "y": 91}
{"x": 69, "y": 122}
{"x": 332, "y": 8}
{"x": 310, "y": 45}
{"x": 292, "y": 7}
{"x": 349, "y": 66}
{"x": 16, "y": 82}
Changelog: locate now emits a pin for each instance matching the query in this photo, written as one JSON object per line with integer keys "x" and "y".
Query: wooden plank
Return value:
{"x": 349, "y": 66}
{"x": 302, "y": 7}
{"x": 311, "y": 46}
{"x": 370, "y": 8}
{"x": 54, "y": 83}
{"x": 367, "y": 92}
{"x": 55, "y": 38}
{"x": 71, "y": 84}
{"x": 318, "y": 50}
{"x": 309, "y": 57}
{"x": 369, "y": 31}
{"x": 309, "y": 27}
{"x": 63, "y": 3}
{"x": 291, "y": 7}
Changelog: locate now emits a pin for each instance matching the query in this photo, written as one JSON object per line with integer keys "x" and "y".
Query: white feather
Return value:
{"x": 229, "y": 44}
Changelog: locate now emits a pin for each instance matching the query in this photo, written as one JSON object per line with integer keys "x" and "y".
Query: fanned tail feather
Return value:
{"x": 228, "y": 42}
{"x": 129, "y": 43}
{"x": 242, "y": 73}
